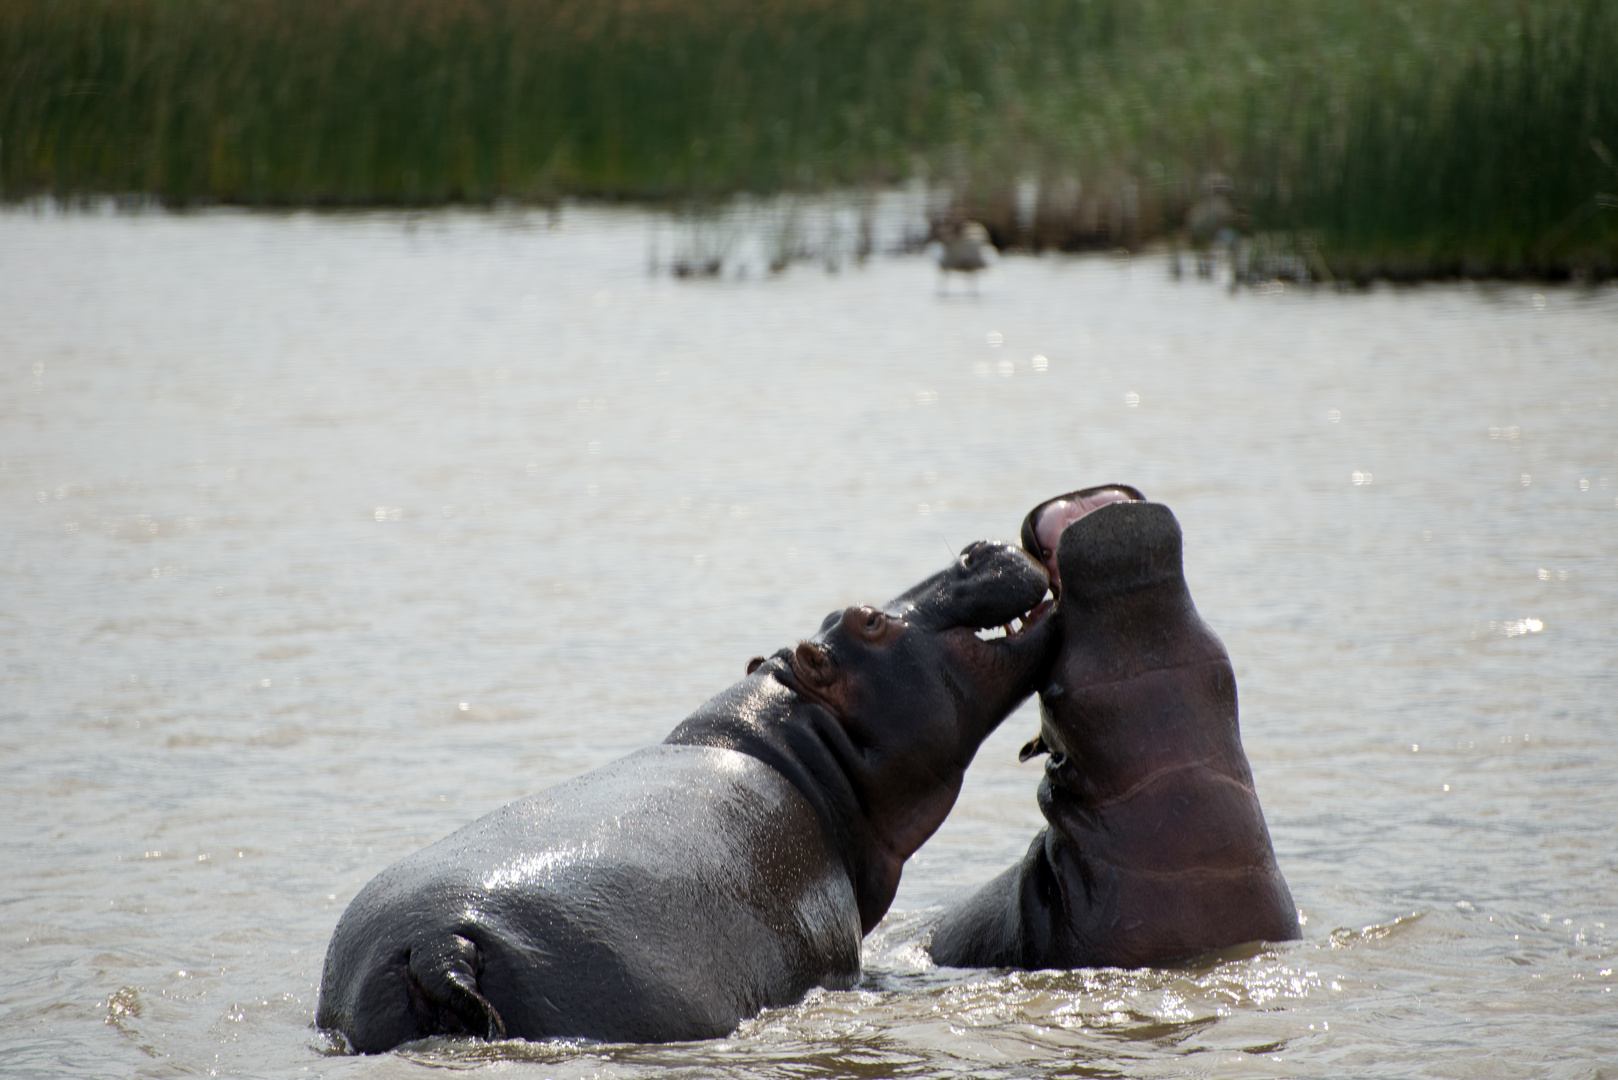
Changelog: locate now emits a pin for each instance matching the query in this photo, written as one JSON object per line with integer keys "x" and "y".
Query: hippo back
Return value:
{"x": 667, "y": 895}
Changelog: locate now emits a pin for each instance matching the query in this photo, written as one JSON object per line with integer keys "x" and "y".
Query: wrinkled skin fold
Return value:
{"x": 671, "y": 894}
{"x": 1156, "y": 848}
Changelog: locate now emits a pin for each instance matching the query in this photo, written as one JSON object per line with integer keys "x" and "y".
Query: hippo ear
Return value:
{"x": 813, "y": 665}
{"x": 1033, "y": 748}
{"x": 753, "y": 664}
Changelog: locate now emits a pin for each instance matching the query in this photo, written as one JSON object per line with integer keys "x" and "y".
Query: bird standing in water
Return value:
{"x": 962, "y": 246}
{"x": 1212, "y": 224}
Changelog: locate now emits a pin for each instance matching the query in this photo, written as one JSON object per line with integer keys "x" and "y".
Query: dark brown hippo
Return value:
{"x": 1156, "y": 849}
{"x": 679, "y": 890}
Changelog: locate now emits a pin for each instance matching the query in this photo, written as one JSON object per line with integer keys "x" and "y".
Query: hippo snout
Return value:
{"x": 990, "y": 584}
{"x": 974, "y": 554}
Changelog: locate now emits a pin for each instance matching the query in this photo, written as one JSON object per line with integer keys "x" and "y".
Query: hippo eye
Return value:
{"x": 870, "y": 622}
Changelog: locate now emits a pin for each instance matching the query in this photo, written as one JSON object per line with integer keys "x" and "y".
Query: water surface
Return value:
{"x": 325, "y": 535}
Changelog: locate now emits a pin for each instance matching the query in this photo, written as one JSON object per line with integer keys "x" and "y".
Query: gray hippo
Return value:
{"x": 673, "y": 893}
{"x": 1156, "y": 848}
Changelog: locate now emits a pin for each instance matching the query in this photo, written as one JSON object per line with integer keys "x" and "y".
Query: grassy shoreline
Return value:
{"x": 1417, "y": 139}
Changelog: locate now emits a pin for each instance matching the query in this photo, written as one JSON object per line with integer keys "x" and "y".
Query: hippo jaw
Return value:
{"x": 1045, "y": 523}
{"x": 990, "y": 606}
{"x": 991, "y": 586}
{"x": 989, "y": 613}
{"x": 979, "y": 636}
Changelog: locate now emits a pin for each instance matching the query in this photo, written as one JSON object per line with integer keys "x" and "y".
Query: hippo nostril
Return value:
{"x": 973, "y": 549}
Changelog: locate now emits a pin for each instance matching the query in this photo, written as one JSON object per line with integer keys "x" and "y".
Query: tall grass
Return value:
{"x": 1112, "y": 108}
{"x": 1501, "y": 166}
{"x": 423, "y": 101}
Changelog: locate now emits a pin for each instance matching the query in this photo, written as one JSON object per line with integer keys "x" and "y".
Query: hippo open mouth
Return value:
{"x": 1019, "y": 624}
{"x": 993, "y": 590}
{"x": 1045, "y": 523}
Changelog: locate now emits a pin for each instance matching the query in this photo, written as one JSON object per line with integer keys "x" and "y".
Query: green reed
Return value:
{"x": 1502, "y": 165}
{"x": 424, "y": 101}
{"x": 1308, "y": 106}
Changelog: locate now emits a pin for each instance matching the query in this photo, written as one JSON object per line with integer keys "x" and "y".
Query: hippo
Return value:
{"x": 1155, "y": 848}
{"x": 671, "y": 894}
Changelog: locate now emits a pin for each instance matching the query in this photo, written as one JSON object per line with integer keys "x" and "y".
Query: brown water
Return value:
{"x": 325, "y": 535}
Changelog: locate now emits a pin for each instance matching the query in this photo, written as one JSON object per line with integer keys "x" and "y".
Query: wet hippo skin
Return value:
{"x": 1156, "y": 848}
{"x": 673, "y": 893}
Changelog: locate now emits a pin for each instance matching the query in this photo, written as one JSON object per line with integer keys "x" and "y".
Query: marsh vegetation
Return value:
{"x": 1420, "y": 138}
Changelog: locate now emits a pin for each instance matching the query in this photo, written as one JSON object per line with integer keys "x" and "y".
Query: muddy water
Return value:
{"x": 324, "y": 535}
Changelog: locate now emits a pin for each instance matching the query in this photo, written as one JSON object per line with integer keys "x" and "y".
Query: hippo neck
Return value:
{"x": 764, "y": 719}
{"x": 1142, "y": 685}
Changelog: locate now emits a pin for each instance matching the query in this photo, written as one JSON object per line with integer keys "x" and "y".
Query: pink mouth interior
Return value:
{"x": 1057, "y": 515}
